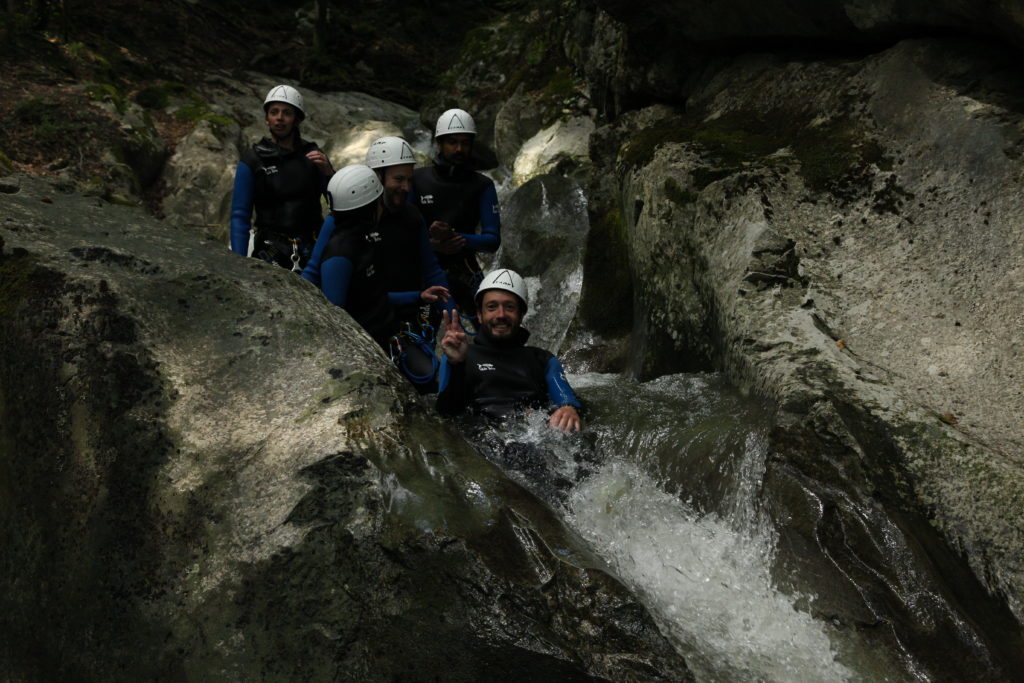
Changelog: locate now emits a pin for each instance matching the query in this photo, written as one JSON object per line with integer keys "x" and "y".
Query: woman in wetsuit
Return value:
{"x": 282, "y": 177}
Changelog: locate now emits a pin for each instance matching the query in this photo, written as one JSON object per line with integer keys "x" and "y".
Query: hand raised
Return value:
{"x": 321, "y": 161}
{"x": 454, "y": 343}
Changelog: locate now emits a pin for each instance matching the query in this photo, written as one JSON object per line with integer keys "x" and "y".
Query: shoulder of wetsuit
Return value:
{"x": 251, "y": 157}
{"x": 266, "y": 148}
{"x": 307, "y": 146}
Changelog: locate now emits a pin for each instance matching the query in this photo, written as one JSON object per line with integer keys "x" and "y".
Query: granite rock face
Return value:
{"x": 843, "y": 237}
{"x": 208, "y": 472}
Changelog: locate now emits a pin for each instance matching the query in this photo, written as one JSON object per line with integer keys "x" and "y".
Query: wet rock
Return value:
{"x": 9, "y": 185}
{"x": 211, "y": 473}
{"x": 544, "y": 240}
{"x": 806, "y": 226}
{"x": 561, "y": 148}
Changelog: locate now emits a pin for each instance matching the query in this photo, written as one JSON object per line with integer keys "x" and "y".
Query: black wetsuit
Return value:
{"x": 500, "y": 377}
{"x": 285, "y": 188}
{"x": 351, "y": 279}
{"x": 464, "y": 199}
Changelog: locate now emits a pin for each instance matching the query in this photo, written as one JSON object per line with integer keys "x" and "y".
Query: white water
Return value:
{"x": 707, "y": 584}
{"x": 706, "y": 577}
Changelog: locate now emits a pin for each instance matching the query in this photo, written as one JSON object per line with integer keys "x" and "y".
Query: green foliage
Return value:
{"x": 50, "y": 123}
{"x": 6, "y": 165}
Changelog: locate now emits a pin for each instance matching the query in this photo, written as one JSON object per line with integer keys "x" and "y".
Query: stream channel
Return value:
{"x": 670, "y": 484}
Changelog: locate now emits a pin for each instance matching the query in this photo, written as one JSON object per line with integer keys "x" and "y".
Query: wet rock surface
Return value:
{"x": 209, "y": 473}
{"x": 842, "y": 237}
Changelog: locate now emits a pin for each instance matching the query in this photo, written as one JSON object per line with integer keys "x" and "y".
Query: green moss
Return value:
{"x": 833, "y": 156}
{"x": 49, "y": 122}
{"x": 83, "y": 53}
{"x": 161, "y": 95}
{"x": 104, "y": 92}
{"x": 639, "y": 150}
{"x": 6, "y": 165}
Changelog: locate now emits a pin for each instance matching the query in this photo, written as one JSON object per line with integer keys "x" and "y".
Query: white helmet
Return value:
{"x": 389, "y": 151}
{"x": 455, "y": 121}
{"x": 288, "y": 95}
{"x": 508, "y": 280}
{"x": 352, "y": 187}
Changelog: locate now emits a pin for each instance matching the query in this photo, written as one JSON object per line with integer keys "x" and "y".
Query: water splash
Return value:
{"x": 708, "y": 584}
{"x": 702, "y": 563}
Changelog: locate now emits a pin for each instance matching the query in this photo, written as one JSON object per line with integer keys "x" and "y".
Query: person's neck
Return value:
{"x": 286, "y": 143}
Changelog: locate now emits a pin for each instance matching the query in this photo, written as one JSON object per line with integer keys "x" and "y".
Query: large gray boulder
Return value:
{"x": 843, "y": 238}
{"x": 209, "y": 473}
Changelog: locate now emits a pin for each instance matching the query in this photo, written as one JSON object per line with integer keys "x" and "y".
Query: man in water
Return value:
{"x": 454, "y": 200}
{"x": 497, "y": 374}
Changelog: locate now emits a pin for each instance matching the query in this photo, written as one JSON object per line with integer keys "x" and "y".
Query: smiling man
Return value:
{"x": 497, "y": 374}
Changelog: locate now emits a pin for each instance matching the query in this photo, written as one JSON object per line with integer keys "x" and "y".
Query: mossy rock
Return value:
{"x": 104, "y": 92}
{"x": 160, "y": 96}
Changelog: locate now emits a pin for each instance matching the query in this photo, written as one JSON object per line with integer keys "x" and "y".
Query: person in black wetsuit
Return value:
{"x": 497, "y": 374}
{"x": 411, "y": 270}
{"x": 455, "y": 200}
{"x": 283, "y": 177}
{"x": 348, "y": 275}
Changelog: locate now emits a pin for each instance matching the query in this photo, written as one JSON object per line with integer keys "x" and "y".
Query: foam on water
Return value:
{"x": 708, "y": 584}
{"x": 706, "y": 577}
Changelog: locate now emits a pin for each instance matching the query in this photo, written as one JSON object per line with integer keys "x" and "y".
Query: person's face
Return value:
{"x": 455, "y": 148}
{"x": 280, "y": 120}
{"x": 500, "y": 313}
{"x": 396, "y": 185}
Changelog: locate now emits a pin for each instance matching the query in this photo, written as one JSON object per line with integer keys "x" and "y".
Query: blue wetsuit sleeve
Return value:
{"x": 451, "y": 388}
{"x": 312, "y": 270}
{"x": 430, "y": 269}
{"x": 336, "y": 275}
{"x": 489, "y": 238}
{"x": 241, "y": 208}
{"x": 559, "y": 391}
{"x": 403, "y": 298}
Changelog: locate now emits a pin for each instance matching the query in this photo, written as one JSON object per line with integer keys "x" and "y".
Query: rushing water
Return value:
{"x": 663, "y": 486}
{"x": 790, "y": 573}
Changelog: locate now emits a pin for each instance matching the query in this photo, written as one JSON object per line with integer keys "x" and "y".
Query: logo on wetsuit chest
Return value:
{"x": 270, "y": 170}
{"x": 427, "y": 199}
{"x": 373, "y": 236}
{"x": 483, "y": 367}
{"x": 370, "y": 270}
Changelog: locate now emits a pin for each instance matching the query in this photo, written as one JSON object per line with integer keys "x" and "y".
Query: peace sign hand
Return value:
{"x": 454, "y": 343}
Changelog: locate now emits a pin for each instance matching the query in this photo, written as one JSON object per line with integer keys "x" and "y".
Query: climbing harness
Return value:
{"x": 273, "y": 248}
{"x": 413, "y": 352}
